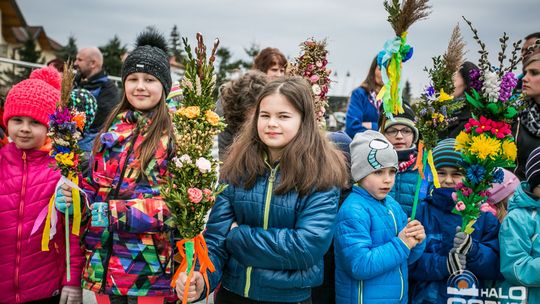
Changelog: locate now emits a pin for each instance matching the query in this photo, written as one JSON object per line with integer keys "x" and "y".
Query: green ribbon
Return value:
{"x": 418, "y": 184}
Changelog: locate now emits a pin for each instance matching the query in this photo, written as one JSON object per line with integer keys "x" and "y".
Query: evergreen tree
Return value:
{"x": 252, "y": 52}
{"x": 224, "y": 67}
{"x": 176, "y": 45}
{"x": 407, "y": 94}
{"x": 69, "y": 52}
{"x": 112, "y": 56}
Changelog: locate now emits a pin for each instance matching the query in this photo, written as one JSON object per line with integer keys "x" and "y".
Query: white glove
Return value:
{"x": 71, "y": 295}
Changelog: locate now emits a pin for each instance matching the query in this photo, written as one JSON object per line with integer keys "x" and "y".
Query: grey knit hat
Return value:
{"x": 371, "y": 151}
{"x": 150, "y": 56}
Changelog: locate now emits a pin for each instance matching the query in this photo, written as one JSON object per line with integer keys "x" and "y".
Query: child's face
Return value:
{"x": 378, "y": 183}
{"x": 26, "y": 132}
{"x": 278, "y": 123}
{"x": 400, "y": 136}
{"x": 449, "y": 177}
{"x": 143, "y": 91}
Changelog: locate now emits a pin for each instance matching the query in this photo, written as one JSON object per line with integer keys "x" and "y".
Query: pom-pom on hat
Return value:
{"x": 150, "y": 56}
{"x": 83, "y": 101}
{"x": 371, "y": 151}
{"x": 498, "y": 192}
{"x": 445, "y": 154}
{"x": 532, "y": 169}
{"x": 34, "y": 97}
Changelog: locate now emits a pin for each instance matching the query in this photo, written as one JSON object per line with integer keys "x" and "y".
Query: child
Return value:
{"x": 128, "y": 253}
{"x": 83, "y": 101}
{"x": 441, "y": 258}
{"x": 27, "y": 183}
{"x": 373, "y": 241}
{"x": 403, "y": 135}
{"x": 520, "y": 246}
{"x": 500, "y": 194}
{"x": 270, "y": 228}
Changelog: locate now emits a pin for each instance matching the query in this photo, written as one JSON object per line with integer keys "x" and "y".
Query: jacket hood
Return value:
{"x": 523, "y": 198}
{"x": 441, "y": 198}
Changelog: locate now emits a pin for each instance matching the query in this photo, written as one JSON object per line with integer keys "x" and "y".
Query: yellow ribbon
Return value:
{"x": 47, "y": 228}
{"x": 436, "y": 182}
{"x": 76, "y": 205}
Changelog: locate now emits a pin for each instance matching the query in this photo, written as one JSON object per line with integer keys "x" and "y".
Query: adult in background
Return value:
{"x": 527, "y": 132}
{"x": 529, "y": 48}
{"x": 363, "y": 109}
{"x": 92, "y": 77}
{"x": 270, "y": 61}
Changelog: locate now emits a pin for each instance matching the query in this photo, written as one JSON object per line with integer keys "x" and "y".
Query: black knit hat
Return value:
{"x": 150, "y": 56}
{"x": 532, "y": 168}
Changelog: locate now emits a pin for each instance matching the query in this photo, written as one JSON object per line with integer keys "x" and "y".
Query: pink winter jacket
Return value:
{"x": 27, "y": 183}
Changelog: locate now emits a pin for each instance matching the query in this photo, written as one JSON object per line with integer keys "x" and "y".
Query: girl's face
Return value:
{"x": 26, "y": 132}
{"x": 275, "y": 71}
{"x": 459, "y": 84}
{"x": 531, "y": 80}
{"x": 278, "y": 123}
{"x": 378, "y": 183}
{"x": 378, "y": 76}
{"x": 400, "y": 136}
{"x": 143, "y": 91}
{"x": 449, "y": 177}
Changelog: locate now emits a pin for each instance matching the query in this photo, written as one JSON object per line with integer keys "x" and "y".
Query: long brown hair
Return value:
{"x": 267, "y": 58}
{"x": 309, "y": 162}
{"x": 160, "y": 126}
{"x": 370, "y": 83}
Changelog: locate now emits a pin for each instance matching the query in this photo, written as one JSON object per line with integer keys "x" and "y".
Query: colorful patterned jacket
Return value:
{"x": 132, "y": 256}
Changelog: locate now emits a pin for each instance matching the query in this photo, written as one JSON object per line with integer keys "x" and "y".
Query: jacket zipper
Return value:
{"x": 267, "y": 200}
{"x": 399, "y": 267}
{"x": 19, "y": 228}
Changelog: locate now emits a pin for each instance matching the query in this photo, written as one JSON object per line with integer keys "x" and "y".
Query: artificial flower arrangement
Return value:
{"x": 66, "y": 126}
{"x": 192, "y": 184}
{"x": 486, "y": 143}
{"x": 311, "y": 64}
{"x": 435, "y": 107}
{"x": 396, "y": 51}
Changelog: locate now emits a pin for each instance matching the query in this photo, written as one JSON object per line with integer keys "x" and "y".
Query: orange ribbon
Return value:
{"x": 201, "y": 255}
{"x": 419, "y": 158}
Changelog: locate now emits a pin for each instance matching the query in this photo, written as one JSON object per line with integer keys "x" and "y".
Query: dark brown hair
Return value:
{"x": 267, "y": 58}
{"x": 239, "y": 96}
{"x": 161, "y": 126}
{"x": 309, "y": 162}
{"x": 370, "y": 83}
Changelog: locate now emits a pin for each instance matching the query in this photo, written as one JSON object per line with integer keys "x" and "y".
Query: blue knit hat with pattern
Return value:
{"x": 445, "y": 154}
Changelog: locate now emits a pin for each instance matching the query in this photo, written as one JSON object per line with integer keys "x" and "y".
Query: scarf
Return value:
{"x": 530, "y": 118}
{"x": 406, "y": 158}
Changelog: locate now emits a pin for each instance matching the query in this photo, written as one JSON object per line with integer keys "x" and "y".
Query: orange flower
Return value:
{"x": 212, "y": 118}
{"x": 190, "y": 112}
{"x": 79, "y": 120}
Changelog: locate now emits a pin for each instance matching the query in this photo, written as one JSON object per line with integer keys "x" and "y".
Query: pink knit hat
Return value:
{"x": 34, "y": 97}
{"x": 498, "y": 192}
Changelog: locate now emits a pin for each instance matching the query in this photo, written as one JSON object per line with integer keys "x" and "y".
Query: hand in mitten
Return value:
{"x": 100, "y": 217}
{"x": 63, "y": 200}
{"x": 462, "y": 242}
{"x": 71, "y": 295}
{"x": 456, "y": 262}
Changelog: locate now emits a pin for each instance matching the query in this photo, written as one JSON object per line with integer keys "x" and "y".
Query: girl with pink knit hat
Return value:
{"x": 27, "y": 182}
{"x": 500, "y": 194}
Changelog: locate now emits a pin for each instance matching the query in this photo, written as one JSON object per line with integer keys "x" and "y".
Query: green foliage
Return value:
{"x": 69, "y": 52}
{"x": 440, "y": 75}
{"x": 112, "y": 56}
{"x": 175, "y": 49}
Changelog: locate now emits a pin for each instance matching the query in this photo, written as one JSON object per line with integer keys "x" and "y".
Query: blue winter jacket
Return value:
{"x": 360, "y": 110}
{"x": 371, "y": 260}
{"x": 430, "y": 274}
{"x": 276, "y": 252}
{"x": 520, "y": 243}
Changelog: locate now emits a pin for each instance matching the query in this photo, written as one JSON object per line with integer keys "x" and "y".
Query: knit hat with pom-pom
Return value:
{"x": 34, "y": 97}
{"x": 150, "y": 56}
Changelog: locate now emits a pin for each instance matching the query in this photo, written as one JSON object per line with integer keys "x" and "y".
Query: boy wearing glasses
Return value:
{"x": 403, "y": 135}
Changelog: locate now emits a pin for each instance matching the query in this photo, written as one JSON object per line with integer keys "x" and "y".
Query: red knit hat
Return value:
{"x": 34, "y": 97}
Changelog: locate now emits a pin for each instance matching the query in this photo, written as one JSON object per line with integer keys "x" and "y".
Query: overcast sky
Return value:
{"x": 355, "y": 29}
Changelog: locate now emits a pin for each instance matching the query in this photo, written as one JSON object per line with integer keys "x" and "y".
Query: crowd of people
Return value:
{"x": 307, "y": 216}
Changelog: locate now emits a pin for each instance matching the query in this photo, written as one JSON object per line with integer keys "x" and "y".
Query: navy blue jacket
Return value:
{"x": 360, "y": 110}
{"x": 276, "y": 252}
{"x": 429, "y": 274}
{"x": 371, "y": 260}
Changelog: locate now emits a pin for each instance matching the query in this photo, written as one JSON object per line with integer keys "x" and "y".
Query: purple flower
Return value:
{"x": 430, "y": 91}
{"x": 108, "y": 139}
{"x": 508, "y": 83}
{"x": 476, "y": 83}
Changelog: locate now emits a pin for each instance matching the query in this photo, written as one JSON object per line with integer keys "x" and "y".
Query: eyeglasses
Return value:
{"x": 394, "y": 132}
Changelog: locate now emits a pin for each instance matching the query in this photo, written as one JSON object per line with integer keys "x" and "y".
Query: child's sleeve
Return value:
{"x": 516, "y": 236}
{"x": 283, "y": 248}
{"x": 483, "y": 257}
{"x": 354, "y": 249}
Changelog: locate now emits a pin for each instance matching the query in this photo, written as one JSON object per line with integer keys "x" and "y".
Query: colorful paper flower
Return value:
{"x": 476, "y": 173}
{"x": 212, "y": 117}
{"x": 190, "y": 112}
{"x": 509, "y": 150}
{"x": 460, "y": 206}
{"x": 195, "y": 195}
{"x": 484, "y": 147}
{"x": 203, "y": 164}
